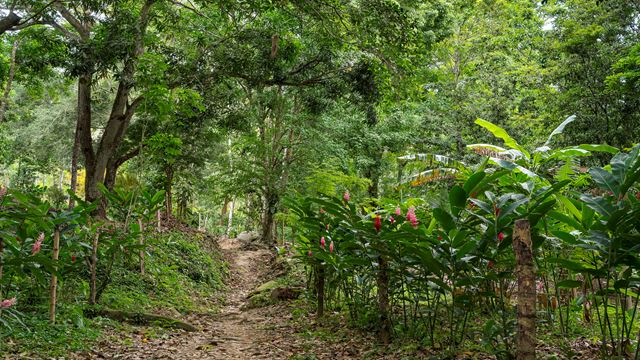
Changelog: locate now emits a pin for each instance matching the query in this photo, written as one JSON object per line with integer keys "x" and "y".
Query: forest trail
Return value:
{"x": 234, "y": 333}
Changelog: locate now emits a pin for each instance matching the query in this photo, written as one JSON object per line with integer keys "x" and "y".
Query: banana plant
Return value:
{"x": 532, "y": 163}
{"x": 431, "y": 167}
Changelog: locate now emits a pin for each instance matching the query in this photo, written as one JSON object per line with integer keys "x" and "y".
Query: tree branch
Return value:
{"x": 63, "y": 30}
{"x": 8, "y": 22}
{"x": 67, "y": 15}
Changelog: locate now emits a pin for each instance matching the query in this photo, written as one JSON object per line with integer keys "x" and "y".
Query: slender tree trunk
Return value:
{"x": 7, "y": 88}
{"x": 159, "y": 217}
{"x": 384, "y": 334}
{"x": 526, "y": 338}
{"x": 223, "y": 212}
{"x": 230, "y": 217}
{"x": 142, "y": 245}
{"x": 320, "y": 292}
{"x": 75, "y": 155}
{"x": 168, "y": 188}
{"x": 93, "y": 269}
{"x": 54, "y": 278}
{"x": 1, "y": 263}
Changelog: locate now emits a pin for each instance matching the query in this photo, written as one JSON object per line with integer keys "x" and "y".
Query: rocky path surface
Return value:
{"x": 234, "y": 333}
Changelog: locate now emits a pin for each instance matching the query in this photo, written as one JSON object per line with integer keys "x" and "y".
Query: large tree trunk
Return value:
{"x": 271, "y": 200}
{"x": 525, "y": 271}
{"x": 7, "y": 88}
{"x": 105, "y": 155}
{"x": 83, "y": 129}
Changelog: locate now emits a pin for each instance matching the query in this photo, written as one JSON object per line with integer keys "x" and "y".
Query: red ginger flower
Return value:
{"x": 37, "y": 245}
{"x": 377, "y": 224}
{"x": 500, "y": 236}
{"x": 331, "y": 247}
{"x": 346, "y": 196}
{"x": 73, "y": 258}
{"x": 322, "y": 242}
{"x": 310, "y": 254}
{"x": 398, "y": 211}
{"x": 411, "y": 216}
{"x": 7, "y": 303}
{"x": 392, "y": 220}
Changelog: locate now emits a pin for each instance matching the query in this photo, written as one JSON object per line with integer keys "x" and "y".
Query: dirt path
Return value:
{"x": 234, "y": 333}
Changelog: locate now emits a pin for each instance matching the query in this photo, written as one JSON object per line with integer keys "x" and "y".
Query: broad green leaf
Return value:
{"x": 599, "y": 148}
{"x": 502, "y": 134}
{"x": 560, "y": 128}
{"x": 513, "y": 166}
{"x": 457, "y": 199}
{"x": 473, "y": 181}
{"x": 605, "y": 180}
{"x": 445, "y": 220}
{"x": 599, "y": 204}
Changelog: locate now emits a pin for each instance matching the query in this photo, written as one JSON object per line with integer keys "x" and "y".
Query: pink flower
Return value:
{"x": 7, "y": 303}
{"x": 398, "y": 211}
{"x": 539, "y": 286}
{"x": 391, "y": 219}
{"x": 377, "y": 224}
{"x": 500, "y": 237}
{"x": 331, "y": 247}
{"x": 346, "y": 196}
{"x": 37, "y": 245}
{"x": 310, "y": 254}
{"x": 322, "y": 242}
{"x": 411, "y": 217}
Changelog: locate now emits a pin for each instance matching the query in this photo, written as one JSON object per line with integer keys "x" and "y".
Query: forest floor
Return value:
{"x": 284, "y": 330}
{"x": 238, "y": 332}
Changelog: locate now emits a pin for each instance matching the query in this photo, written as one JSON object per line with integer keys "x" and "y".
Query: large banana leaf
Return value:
{"x": 501, "y": 133}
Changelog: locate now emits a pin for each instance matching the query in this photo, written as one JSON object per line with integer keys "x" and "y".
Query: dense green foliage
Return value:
{"x": 349, "y": 131}
{"x": 449, "y": 253}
